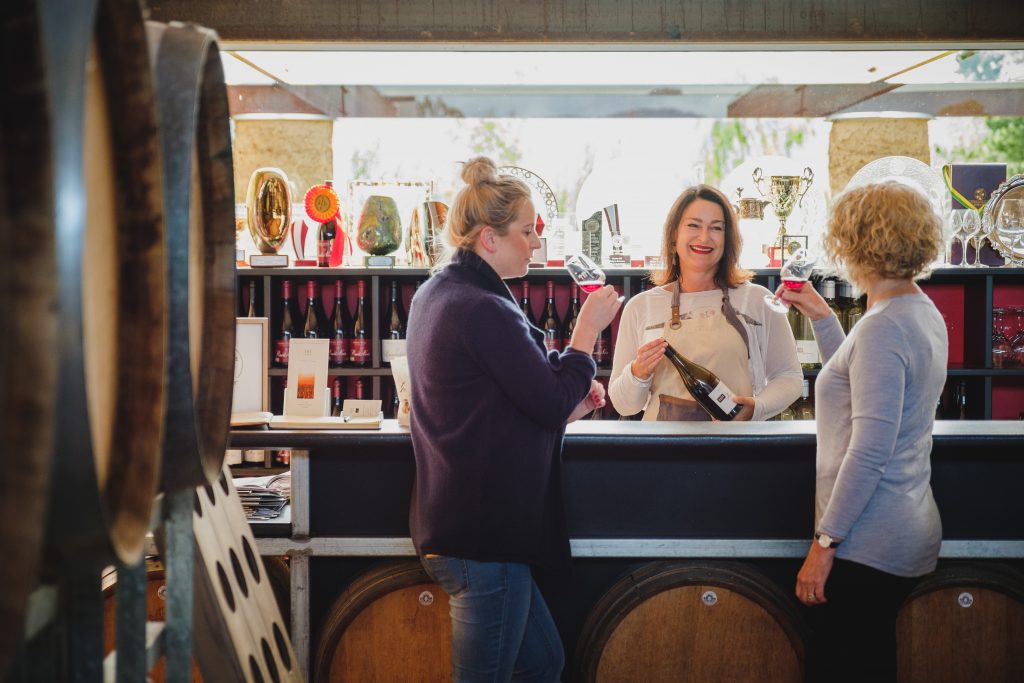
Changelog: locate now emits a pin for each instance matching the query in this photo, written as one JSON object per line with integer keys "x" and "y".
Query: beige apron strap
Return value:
{"x": 730, "y": 314}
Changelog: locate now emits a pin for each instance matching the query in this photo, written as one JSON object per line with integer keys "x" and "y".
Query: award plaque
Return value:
{"x": 617, "y": 257}
{"x": 591, "y": 237}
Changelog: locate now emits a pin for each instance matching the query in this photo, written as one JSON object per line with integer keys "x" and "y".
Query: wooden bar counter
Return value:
{"x": 738, "y": 494}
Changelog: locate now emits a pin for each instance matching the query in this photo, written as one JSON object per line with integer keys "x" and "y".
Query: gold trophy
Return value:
{"x": 785, "y": 192}
{"x": 268, "y": 201}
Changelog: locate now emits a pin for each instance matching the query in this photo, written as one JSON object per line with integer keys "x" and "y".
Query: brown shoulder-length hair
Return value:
{"x": 729, "y": 273}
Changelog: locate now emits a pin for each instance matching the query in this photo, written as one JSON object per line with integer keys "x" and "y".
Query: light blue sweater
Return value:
{"x": 875, "y": 407}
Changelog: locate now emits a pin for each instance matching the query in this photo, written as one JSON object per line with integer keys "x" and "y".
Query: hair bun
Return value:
{"x": 479, "y": 170}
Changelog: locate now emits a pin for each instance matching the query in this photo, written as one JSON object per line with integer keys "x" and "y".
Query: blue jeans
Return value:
{"x": 501, "y": 627}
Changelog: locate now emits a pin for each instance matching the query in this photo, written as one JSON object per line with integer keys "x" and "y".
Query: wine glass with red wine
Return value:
{"x": 587, "y": 274}
{"x": 794, "y": 274}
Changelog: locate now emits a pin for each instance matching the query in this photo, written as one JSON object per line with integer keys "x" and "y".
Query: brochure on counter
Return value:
{"x": 307, "y": 404}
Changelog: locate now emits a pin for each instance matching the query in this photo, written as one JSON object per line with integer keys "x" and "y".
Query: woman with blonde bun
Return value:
{"x": 490, "y": 405}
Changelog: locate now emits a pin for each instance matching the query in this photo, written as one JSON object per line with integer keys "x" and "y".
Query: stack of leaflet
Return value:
{"x": 264, "y": 497}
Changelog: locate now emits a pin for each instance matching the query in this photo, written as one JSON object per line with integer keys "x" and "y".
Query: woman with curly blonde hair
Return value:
{"x": 877, "y": 527}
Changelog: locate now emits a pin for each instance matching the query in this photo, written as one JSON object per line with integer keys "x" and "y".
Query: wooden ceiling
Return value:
{"x": 679, "y": 23}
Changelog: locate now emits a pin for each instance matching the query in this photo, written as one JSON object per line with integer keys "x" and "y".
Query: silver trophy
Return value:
{"x": 616, "y": 258}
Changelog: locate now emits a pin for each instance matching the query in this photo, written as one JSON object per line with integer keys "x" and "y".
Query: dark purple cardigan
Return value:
{"x": 489, "y": 406}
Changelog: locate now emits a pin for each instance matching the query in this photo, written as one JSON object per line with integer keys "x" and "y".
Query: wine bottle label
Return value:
{"x": 323, "y": 252}
{"x": 338, "y": 351}
{"x": 281, "y": 352}
{"x": 807, "y": 351}
{"x": 722, "y": 395}
{"x": 551, "y": 341}
{"x": 600, "y": 354}
{"x": 391, "y": 348}
{"x": 360, "y": 351}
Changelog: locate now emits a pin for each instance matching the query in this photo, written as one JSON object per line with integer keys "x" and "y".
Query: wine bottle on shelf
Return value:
{"x": 360, "y": 355}
{"x": 289, "y": 324}
{"x": 336, "y": 397}
{"x": 396, "y": 403}
{"x": 314, "y": 326}
{"x": 803, "y": 408}
{"x": 806, "y": 346}
{"x": 392, "y": 334}
{"x": 549, "y": 322}
{"x": 704, "y": 386}
{"x": 961, "y": 400}
{"x": 341, "y": 323}
{"x": 603, "y": 348}
{"x": 854, "y": 309}
{"x": 569, "y": 325}
{"x": 524, "y": 303}
{"x": 325, "y": 238}
{"x": 828, "y": 288}
{"x": 251, "y": 310}
{"x": 357, "y": 388}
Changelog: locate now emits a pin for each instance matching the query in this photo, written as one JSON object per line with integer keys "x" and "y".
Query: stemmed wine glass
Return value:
{"x": 794, "y": 274}
{"x": 970, "y": 228}
{"x": 587, "y": 274}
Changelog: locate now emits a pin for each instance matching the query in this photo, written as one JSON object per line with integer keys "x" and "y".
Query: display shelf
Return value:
{"x": 965, "y": 297}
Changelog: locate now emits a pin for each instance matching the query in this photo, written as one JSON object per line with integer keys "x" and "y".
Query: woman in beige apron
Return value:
{"x": 709, "y": 337}
{"x": 707, "y": 309}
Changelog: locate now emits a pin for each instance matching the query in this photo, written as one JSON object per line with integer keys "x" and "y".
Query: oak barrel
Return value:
{"x": 391, "y": 625}
{"x": 156, "y": 600}
{"x": 112, "y": 305}
{"x": 964, "y": 622}
{"x": 199, "y": 192}
{"x": 692, "y": 621}
{"x": 28, "y": 342}
{"x": 156, "y": 588}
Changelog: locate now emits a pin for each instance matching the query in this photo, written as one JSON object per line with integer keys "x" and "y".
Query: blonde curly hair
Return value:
{"x": 884, "y": 230}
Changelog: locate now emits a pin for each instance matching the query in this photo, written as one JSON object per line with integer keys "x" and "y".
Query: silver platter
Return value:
{"x": 540, "y": 188}
{"x": 1009, "y": 244}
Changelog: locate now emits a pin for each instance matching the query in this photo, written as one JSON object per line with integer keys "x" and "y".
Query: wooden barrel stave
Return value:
{"x": 390, "y": 625}
{"x": 692, "y": 621}
{"x": 28, "y": 344}
{"x": 199, "y": 191}
{"x": 111, "y": 282}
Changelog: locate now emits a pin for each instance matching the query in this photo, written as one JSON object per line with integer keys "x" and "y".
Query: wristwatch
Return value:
{"x": 825, "y": 541}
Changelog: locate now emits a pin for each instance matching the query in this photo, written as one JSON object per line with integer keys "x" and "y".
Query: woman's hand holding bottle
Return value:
{"x": 597, "y": 313}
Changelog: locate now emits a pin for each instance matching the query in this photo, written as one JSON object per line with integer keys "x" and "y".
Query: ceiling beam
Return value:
{"x": 667, "y": 23}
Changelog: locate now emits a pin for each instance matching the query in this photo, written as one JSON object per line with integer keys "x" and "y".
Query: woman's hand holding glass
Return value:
{"x": 600, "y": 306}
{"x": 794, "y": 274}
{"x": 806, "y": 299}
{"x": 595, "y": 399}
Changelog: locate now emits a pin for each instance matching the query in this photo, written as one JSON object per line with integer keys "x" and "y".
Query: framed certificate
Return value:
{"x": 252, "y": 354}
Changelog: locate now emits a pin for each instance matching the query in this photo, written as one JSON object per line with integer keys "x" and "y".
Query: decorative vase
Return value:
{"x": 380, "y": 227}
